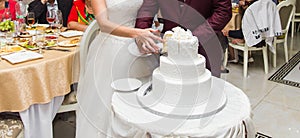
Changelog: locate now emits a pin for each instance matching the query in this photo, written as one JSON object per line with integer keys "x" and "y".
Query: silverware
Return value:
{"x": 162, "y": 53}
{"x": 148, "y": 90}
{"x": 58, "y": 49}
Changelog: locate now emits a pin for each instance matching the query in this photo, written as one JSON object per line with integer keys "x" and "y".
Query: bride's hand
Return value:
{"x": 146, "y": 41}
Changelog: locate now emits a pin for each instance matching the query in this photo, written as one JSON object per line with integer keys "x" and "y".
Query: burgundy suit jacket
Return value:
{"x": 202, "y": 17}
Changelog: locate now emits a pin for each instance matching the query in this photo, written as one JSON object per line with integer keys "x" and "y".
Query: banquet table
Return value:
{"x": 36, "y": 88}
{"x": 234, "y": 120}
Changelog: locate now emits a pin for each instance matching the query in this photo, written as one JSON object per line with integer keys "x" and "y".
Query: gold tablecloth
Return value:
{"x": 37, "y": 81}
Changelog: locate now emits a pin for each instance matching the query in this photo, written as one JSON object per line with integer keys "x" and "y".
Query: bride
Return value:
{"x": 108, "y": 59}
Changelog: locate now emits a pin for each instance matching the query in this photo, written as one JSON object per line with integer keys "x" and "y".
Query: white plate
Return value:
{"x": 43, "y": 25}
{"x": 66, "y": 44}
{"x": 71, "y": 33}
{"x": 127, "y": 84}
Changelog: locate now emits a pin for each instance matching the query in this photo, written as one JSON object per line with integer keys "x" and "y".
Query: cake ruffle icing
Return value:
{"x": 181, "y": 45}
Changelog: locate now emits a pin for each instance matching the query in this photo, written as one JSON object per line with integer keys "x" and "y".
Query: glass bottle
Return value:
{"x": 20, "y": 9}
{"x": 6, "y": 15}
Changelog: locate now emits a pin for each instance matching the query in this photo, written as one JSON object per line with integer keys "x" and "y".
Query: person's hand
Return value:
{"x": 225, "y": 32}
{"x": 237, "y": 41}
{"x": 146, "y": 41}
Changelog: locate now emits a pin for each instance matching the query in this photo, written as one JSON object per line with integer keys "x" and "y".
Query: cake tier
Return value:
{"x": 182, "y": 49}
{"x": 176, "y": 92}
{"x": 189, "y": 69}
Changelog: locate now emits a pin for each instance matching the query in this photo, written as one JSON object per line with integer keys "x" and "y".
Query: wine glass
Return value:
{"x": 50, "y": 16}
{"x": 30, "y": 19}
{"x": 58, "y": 22}
{"x": 40, "y": 41}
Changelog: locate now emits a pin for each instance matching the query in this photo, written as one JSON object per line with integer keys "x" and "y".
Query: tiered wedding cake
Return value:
{"x": 181, "y": 81}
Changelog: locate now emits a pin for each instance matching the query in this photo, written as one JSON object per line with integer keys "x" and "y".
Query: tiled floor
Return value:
{"x": 276, "y": 107}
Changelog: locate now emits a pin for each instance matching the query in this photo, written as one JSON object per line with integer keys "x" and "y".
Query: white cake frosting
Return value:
{"x": 181, "y": 79}
{"x": 181, "y": 44}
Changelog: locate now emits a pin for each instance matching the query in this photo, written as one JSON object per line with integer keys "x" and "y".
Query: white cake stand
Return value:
{"x": 232, "y": 120}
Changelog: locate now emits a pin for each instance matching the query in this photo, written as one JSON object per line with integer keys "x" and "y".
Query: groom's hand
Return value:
{"x": 146, "y": 41}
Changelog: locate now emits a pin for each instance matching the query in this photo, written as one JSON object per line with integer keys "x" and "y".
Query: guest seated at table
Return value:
{"x": 81, "y": 15}
{"x": 40, "y": 8}
{"x": 237, "y": 35}
{"x": 12, "y": 13}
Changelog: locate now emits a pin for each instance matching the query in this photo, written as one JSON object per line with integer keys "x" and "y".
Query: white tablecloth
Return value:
{"x": 232, "y": 121}
{"x": 37, "y": 119}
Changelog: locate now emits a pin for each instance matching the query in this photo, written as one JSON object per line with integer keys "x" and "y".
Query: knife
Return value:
{"x": 51, "y": 48}
{"x": 148, "y": 90}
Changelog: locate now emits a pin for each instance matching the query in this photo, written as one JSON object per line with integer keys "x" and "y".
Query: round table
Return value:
{"x": 37, "y": 81}
{"x": 232, "y": 121}
{"x": 36, "y": 88}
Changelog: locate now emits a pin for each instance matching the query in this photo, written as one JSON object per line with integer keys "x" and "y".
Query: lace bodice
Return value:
{"x": 123, "y": 12}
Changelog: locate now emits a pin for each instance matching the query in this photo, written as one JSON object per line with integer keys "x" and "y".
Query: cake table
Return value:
{"x": 232, "y": 121}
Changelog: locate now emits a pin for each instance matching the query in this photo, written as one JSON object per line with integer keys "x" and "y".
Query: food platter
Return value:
{"x": 4, "y": 50}
{"x": 66, "y": 44}
{"x": 69, "y": 43}
{"x": 51, "y": 37}
{"x": 38, "y": 27}
{"x": 28, "y": 45}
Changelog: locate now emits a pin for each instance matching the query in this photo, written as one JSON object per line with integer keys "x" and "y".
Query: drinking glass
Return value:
{"x": 40, "y": 41}
{"x": 9, "y": 36}
{"x": 50, "y": 16}
{"x": 30, "y": 19}
{"x": 58, "y": 21}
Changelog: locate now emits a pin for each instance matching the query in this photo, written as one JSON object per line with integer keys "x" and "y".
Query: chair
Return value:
{"x": 253, "y": 34}
{"x": 296, "y": 17}
{"x": 88, "y": 36}
{"x": 246, "y": 49}
{"x": 236, "y": 25}
{"x": 286, "y": 10}
{"x": 86, "y": 39}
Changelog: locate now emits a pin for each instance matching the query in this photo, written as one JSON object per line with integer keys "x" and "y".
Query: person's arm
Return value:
{"x": 38, "y": 7}
{"x": 76, "y": 26}
{"x": 73, "y": 20}
{"x": 144, "y": 35}
{"x": 146, "y": 14}
{"x": 222, "y": 13}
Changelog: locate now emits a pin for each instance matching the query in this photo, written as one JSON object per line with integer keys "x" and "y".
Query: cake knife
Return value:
{"x": 149, "y": 88}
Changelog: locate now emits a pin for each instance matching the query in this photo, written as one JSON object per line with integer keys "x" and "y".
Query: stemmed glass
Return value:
{"x": 50, "y": 16}
{"x": 58, "y": 21}
{"x": 30, "y": 19}
{"x": 40, "y": 41}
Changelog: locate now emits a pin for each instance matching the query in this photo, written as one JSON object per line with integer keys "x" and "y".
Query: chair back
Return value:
{"x": 88, "y": 36}
{"x": 286, "y": 10}
{"x": 297, "y": 6}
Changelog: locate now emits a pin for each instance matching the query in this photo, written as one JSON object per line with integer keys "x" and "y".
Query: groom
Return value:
{"x": 205, "y": 18}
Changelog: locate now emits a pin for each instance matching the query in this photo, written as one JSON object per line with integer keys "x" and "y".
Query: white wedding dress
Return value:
{"x": 108, "y": 59}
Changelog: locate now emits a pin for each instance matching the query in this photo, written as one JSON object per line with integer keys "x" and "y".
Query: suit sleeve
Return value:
{"x": 146, "y": 14}
{"x": 220, "y": 17}
{"x": 37, "y": 7}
